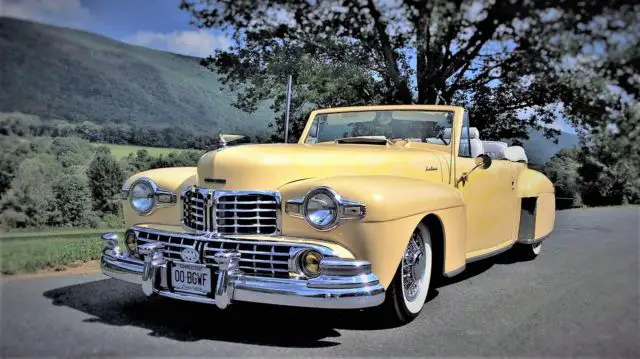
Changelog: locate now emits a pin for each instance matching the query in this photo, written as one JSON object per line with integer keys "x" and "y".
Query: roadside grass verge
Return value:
{"x": 30, "y": 255}
{"x": 56, "y": 232}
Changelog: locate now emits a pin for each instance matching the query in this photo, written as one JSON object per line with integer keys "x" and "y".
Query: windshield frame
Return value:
{"x": 457, "y": 116}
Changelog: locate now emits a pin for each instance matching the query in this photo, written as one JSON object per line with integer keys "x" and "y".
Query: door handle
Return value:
{"x": 513, "y": 184}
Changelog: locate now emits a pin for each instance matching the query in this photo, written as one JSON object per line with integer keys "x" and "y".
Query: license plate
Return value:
{"x": 191, "y": 277}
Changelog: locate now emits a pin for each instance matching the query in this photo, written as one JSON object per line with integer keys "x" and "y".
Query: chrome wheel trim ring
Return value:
{"x": 413, "y": 267}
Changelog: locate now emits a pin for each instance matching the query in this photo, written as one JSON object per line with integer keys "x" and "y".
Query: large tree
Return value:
{"x": 507, "y": 60}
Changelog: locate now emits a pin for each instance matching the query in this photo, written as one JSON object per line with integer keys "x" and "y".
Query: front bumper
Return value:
{"x": 344, "y": 284}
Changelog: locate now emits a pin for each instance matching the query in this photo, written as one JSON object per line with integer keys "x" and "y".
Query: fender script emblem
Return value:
{"x": 431, "y": 168}
{"x": 215, "y": 180}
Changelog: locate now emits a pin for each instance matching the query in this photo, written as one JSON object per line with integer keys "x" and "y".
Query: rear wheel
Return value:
{"x": 527, "y": 252}
{"x": 410, "y": 286}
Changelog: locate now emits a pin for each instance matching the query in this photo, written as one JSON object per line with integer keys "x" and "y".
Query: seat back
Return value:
{"x": 515, "y": 154}
{"x": 494, "y": 149}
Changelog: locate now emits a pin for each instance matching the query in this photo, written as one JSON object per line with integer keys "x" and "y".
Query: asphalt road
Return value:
{"x": 580, "y": 297}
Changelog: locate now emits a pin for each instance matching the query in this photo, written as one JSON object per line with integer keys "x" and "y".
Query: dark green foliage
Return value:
{"x": 71, "y": 151}
{"x": 63, "y": 74}
{"x": 611, "y": 162}
{"x": 73, "y": 200}
{"x": 19, "y": 124}
{"x": 31, "y": 202}
{"x": 605, "y": 169}
{"x": 142, "y": 161}
{"x": 105, "y": 181}
{"x": 562, "y": 170}
{"x": 66, "y": 181}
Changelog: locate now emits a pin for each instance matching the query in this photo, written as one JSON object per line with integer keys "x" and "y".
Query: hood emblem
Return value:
{"x": 215, "y": 180}
{"x": 190, "y": 255}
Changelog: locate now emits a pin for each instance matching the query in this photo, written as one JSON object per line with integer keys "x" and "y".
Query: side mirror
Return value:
{"x": 483, "y": 161}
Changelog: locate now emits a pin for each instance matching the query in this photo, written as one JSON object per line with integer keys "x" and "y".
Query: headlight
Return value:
{"x": 142, "y": 196}
{"x": 323, "y": 208}
{"x": 320, "y": 208}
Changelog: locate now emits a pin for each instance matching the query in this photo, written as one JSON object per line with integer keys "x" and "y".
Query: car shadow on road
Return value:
{"x": 118, "y": 303}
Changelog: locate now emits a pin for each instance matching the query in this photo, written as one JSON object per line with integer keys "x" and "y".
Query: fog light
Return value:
{"x": 310, "y": 263}
{"x": 130, "y": 242}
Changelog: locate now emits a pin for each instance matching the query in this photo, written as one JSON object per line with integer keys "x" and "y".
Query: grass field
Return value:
{"x": 31, "y": 251}
{"x": 120, "y": 151}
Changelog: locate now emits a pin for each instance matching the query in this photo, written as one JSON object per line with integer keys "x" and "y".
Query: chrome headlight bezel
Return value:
{"x": 333, "y": 198}
{"x": 159, "y": 197}
{"x": 345, "y": 209}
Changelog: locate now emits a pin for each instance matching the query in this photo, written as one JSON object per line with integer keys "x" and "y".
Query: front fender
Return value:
{"x": 387, "y": 197}
{"x": 171, "y": 179}
{"x": 395, "y": 206}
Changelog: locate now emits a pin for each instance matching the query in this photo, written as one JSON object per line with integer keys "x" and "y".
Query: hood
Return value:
{"x": 270, "y": 166}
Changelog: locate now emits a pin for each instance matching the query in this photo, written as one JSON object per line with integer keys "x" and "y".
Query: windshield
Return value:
{"x": 423, "y": 126}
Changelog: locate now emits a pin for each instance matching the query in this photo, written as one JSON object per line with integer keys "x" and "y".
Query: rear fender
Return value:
{"x": 537, "y": 206}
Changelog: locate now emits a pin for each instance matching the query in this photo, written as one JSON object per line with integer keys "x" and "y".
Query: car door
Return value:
{"x": 488, "y": 195}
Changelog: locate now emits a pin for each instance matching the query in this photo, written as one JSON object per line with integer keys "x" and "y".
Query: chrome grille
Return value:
{"x": 258, "y": 259}
{"x": 267, "y": 259}
{"x": 231, "y": 212}
{"x": 246, "y": 214}
{"x": 173, "y": 245}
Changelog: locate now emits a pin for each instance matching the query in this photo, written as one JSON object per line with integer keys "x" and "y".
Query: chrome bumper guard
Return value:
{"x": 343, "y": 284}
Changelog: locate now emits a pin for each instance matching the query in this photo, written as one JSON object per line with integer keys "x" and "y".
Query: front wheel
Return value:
{"x": 410, "y": 286}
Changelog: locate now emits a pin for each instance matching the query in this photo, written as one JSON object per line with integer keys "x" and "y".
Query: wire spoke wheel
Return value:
{"x": 413, "y": 266}
{"x": 408, "y": 292}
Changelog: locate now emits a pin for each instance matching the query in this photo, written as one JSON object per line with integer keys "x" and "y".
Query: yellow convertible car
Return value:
{"x": 370, "y": 205}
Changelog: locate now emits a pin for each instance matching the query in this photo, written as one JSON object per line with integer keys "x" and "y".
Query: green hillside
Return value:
{"x": 59, "y": 73}
{"x": 540, "y": 149}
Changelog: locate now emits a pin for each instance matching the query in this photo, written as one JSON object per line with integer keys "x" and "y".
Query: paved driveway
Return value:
{"x": 579, "y": 298}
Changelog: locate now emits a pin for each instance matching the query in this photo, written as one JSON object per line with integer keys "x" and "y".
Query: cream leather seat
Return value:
{"x": 474, "y": 140}
{"x": 495, "y": 149}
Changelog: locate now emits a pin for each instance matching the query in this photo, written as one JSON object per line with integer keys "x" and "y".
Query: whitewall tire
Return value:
{"x": 410, "y": 287}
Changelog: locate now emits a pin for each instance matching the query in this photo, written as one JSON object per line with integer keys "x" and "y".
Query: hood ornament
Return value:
{"x": 226, "y": 139}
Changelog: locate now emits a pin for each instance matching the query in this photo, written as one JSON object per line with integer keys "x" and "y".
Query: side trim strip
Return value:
{"x": 490, "y": 254}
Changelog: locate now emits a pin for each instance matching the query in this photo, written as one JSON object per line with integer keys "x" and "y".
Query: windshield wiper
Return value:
{"x": 441, "y": 138}
{"x": 368, "y": 140}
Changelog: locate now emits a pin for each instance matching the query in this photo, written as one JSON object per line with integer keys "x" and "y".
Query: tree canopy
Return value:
{"x": 514, "y": 64}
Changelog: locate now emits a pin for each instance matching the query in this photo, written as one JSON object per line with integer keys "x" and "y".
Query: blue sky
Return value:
{"x": 158, "y": 24}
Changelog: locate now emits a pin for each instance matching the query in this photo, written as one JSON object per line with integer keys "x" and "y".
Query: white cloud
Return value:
{"x": 58, "y": 12}
{"x": 199, "y": 43}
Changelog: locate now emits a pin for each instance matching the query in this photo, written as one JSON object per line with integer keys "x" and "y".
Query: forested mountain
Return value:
{"x": 59, "y": 73}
